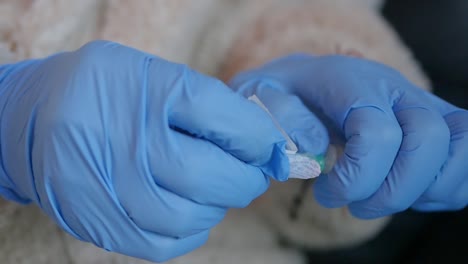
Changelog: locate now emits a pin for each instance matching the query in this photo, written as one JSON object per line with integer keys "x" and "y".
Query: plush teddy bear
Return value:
{"x": 219, "y": 38}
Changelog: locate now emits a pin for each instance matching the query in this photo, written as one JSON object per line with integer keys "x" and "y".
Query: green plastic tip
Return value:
{"x": 320, "y": 159}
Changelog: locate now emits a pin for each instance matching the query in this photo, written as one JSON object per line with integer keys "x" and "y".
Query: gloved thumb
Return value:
{"x": 303, "y": 127}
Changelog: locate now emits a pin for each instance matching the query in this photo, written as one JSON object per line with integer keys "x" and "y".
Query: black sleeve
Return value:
{"x": 437, "y": 33}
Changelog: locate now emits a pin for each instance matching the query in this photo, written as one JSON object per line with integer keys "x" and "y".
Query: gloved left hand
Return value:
{"x": 136, "y": 154}
{"x": 403, "y": 147}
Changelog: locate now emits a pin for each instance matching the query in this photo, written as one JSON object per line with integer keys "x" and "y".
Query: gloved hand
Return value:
{"x": 302, "y": 125}
{"x": 128, "y": 151}
{"x": 404, "y": 147}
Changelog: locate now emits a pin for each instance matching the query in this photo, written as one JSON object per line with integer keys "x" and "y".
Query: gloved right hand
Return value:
{"x": 128, "y": 151}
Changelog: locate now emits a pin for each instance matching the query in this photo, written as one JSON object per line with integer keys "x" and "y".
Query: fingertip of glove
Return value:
{"x": 314, "y": 141}
{"x": 277, "y": 165}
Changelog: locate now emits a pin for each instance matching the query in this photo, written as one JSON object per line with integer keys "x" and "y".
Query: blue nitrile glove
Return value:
{"x": 304, "y": 128}
{"x": 128, "y": 151}
{"x": 404, "y": 146}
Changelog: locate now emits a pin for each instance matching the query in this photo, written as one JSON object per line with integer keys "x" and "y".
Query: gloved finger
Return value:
{"x": 158, "y": 248}
{"x": 208, "y": 109}
{"x": 199, "y": 170}
{"x": 95, "y": 212}
{"x": 127, "y": 185}
{"x": 372, "y": 142}
{"x": 447, "y": 191}
{"x": 131, "y": 240}
{"x": 158, "y": 210}
{"x": 304, "y": 128}
{"x": 422, "y": 153}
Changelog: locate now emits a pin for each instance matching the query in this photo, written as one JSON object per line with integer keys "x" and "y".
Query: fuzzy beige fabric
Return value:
{"x": 218, "y": 37}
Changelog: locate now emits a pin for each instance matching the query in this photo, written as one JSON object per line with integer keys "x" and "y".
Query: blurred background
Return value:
{"x": 437, "y": 33}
